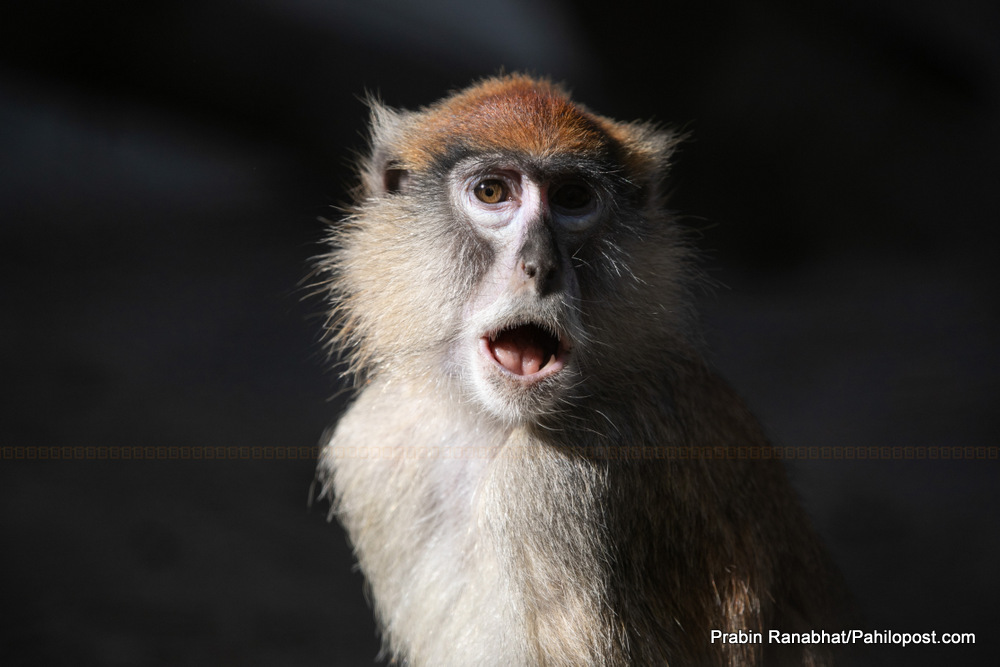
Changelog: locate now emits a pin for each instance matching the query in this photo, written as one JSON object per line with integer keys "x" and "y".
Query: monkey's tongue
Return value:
{"x": 522, "y": 350}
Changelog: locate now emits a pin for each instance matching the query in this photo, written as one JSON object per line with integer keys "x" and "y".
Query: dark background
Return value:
{"x": 163, "y": 166}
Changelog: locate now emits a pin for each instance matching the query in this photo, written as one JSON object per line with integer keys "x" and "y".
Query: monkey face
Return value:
{"x": 509, "y": 245}
{"x": 521, "y": 320}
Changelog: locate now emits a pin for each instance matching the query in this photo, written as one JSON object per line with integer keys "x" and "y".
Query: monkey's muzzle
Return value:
{"x": 527, "y": 351}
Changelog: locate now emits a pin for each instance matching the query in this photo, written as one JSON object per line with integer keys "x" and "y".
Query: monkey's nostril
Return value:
{"x": 529, "y": 270}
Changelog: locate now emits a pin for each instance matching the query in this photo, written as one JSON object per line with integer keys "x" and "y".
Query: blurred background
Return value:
{"x": 163, "y": 169}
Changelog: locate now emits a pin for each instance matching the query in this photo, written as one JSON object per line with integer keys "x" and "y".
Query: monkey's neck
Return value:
{"x": 466, "y": 527}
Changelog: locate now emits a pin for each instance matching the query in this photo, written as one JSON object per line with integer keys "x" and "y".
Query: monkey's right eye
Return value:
{"x": 491, "y": 191}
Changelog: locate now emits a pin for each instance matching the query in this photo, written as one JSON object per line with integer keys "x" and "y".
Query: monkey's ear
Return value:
{"x": 648, "y": 153}
{"x": 394, "y": 178}
{"x": 383, "y": 172}
{"x": 651, "y": 148}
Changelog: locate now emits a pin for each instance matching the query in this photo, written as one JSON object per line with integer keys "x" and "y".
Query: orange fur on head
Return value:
{"x": 534, "y": 116}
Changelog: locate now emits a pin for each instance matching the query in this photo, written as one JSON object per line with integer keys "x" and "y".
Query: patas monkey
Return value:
{"x": 540, "y": 468}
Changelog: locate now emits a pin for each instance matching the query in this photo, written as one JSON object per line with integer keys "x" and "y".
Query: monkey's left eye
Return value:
{"x": 572, "y": 198}
{"x": 491, "y": 191}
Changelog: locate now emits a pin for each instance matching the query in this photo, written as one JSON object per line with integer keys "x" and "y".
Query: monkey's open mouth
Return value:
{"x": 527, "y": 350}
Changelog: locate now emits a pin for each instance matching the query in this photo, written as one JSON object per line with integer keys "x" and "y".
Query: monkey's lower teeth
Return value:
{"x": 524, "y": 350}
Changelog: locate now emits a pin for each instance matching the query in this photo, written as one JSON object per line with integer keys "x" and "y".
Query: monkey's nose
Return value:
{"x": 542, "y": 276}
{"x": 538, "y": 262}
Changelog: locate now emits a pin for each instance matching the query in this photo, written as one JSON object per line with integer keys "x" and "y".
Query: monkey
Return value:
{"x": 539, "y": 466}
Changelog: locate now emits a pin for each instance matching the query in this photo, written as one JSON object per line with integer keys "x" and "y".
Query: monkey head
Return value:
{"x": 511, "y": 247}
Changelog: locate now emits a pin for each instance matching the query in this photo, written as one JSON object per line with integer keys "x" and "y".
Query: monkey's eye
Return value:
{"x": 572, "y": 198}
{"x": 491, "y": 191}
